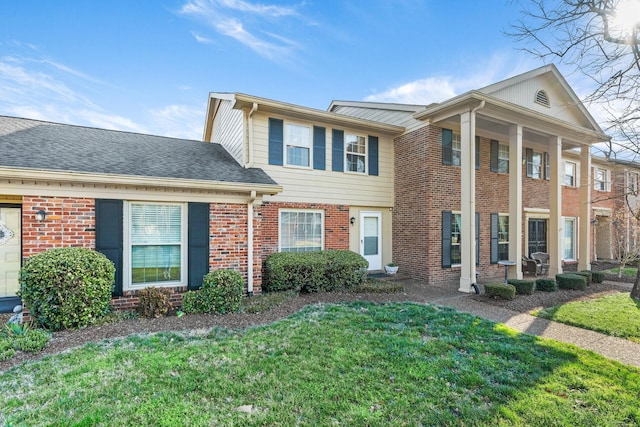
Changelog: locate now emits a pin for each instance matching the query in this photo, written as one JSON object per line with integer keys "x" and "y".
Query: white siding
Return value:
{"x": 228, "y": 130}
{"x": 562, "y": 107}
{"x": 326, "y": 186}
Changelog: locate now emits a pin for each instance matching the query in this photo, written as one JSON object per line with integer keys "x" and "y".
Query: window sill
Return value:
{"x": 139, "y": 287}
{"x": 297, "y": 167}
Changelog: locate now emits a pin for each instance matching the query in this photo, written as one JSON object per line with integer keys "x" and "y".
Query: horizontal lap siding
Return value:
{"x": 228, "y": 130}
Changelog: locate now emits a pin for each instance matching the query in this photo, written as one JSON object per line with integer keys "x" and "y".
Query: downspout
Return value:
{"x": 474, "y": 285}
{"x": 252, "y": 198}
{"x": 254, "y": 108}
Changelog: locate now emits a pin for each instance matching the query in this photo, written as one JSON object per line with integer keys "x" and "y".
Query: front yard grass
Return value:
{"x": 350, "y": 364}
{"x": 627, "y": 271}
{"x": 616, "y": 315}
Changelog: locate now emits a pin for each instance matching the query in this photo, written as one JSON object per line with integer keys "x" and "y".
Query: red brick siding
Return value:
{"x": 336, "y": 224}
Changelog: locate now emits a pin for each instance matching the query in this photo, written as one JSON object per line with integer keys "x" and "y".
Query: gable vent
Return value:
{"x": 542, "y": 98}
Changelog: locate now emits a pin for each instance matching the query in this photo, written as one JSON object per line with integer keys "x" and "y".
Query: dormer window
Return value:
{"x": 542, "y": 98}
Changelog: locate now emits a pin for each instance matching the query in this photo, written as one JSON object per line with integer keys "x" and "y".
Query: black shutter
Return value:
{"x": 529, "y": 156}
{"x": 495, "y": 147}
{"x": 477, "y": 238}
{"x": 373, "y": 155}
{"x": 276, "y": 141}
{"x": 447, "y": 147}
{"x": 477, "y": 152}
{"x": 198, "y": 244}
{"x": 109, "y": 217}
{"x": 494, "y": 238}
{"x": 319, "y": 148}
{"x": 337, "y": 149}
{"x": 446, "y": 239}
{"x": 547, "y": 167}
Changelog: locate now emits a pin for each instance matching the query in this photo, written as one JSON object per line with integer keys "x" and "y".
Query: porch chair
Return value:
{"x": 542, "y": 259}
{"x": 529, "y": 266}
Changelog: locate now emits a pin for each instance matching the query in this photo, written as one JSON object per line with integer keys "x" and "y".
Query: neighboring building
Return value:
{"x": 446, "y": 190}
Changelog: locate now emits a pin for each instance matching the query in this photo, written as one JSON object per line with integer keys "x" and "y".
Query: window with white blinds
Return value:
{"x": 156, "y": 242}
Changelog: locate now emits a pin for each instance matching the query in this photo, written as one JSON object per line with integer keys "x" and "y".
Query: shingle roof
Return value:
{"x": 33, "y": 144}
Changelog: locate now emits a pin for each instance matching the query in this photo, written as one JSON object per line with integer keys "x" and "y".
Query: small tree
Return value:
{"x": 624, "y": 242}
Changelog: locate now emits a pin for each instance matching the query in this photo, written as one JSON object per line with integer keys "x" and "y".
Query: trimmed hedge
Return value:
{"x": 314, "y": 271}
{"x": 67, "y": 287}
{"x": 154, "y": 302}
{"x": 587, "y": 274}
{"x": 597, "y": 276}
{"x": 546, "y": 285}
{"x": 500, "y": 290}
{"x": 571, "y": 281}
{"x": 221, "y": 292}
{"x": 523, "y": 287}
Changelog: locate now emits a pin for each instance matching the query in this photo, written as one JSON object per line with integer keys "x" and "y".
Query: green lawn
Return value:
{"x": 616, "y": 315}
{"x": 627, "y": 271}
{"x": 356, "y": 364}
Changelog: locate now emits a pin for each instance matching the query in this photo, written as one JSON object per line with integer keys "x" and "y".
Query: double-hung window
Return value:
{"x": 355, "y": 153}
{"x": 156, "y": 243}
{"x": 601, "y": 179}
{"x": 456, "y": 149}
{"x": 503, "y": 237}
{"x": 534, "y": 164}
{"x": 298, "y": 145}
{"x": 632, "y": 184}
{"x": 503, "y": 158}
{"x": 456, "y": 228}
{"x": 301, "y": 230}
{"x": 570, "y": 174}
{"x": 569, "y": 239}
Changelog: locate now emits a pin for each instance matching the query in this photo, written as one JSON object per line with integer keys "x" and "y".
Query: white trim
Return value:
{"x": 286, "y": 144}
{"x": 365, "y": 154}
{"x": 575, "y": 237}
{"x": 281, "y": 210}
{"x": 378, "y": 216}
{"x": 127, "y": 284}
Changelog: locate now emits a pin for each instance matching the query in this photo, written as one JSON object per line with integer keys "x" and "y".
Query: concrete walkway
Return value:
{"x": 619, "y": 349}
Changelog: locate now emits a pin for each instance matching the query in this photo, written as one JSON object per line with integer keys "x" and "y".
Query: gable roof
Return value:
{"x": 389, "y": 113}
{"x": 36, "y": 146}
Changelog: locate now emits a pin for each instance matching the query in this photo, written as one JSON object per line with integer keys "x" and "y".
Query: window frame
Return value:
{"x": 459, "y": 237}
{"x": 573, "y": 176}
{"x": 293, "y": 210}
{"x": 574, "y": 237}
{"x": 128, "y": 244}
{"x": 533, "y": 166}
{"x": 632, "y": 182}
{"x": 502, "y": 161}
{"x": 503, "y": 243}
{"x": 605, "y": 182}
{"x": 287, "y": 144}
{"x": 364, "y": 155}
{"x": 456, "y": 153}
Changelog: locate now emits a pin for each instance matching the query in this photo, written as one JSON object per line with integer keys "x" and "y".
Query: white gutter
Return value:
{"x": 252, "y": 198}
{"x": 254, "y": 108}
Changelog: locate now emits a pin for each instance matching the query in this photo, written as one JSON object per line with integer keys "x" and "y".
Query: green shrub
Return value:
{"x": 32, "y": 341}
{"x": 546, "y": 285}
{"x": 500, "y": 290}
{"x": 154, "y": 302}
{"x": 597, "y": 276}
{"x": 587, "y": 274}
{"x": 314, "y": 271}
{"x": 523, "y": 287}
{"x": 571, "y": 281}
{"x": 6, "y": 349}
{"x": 221, "y": 292}
{"x": 67, "y": 287}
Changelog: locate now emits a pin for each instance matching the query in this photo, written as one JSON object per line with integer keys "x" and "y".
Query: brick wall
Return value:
{"x": 69, "y": 222}
{"x": 336, "y": 224}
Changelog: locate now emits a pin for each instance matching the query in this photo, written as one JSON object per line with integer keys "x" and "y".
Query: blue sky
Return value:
{"x": 148, "y": 65}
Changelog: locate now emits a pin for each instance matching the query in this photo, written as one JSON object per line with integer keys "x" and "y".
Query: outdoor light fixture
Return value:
{"x": 41, "y": 215}
{"x": 594, "y": 221}
{"x": 352, "y": 220}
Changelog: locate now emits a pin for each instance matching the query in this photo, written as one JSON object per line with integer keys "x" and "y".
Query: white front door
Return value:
{"x": 371, "y": 238}
{"x": 10, "y": 239}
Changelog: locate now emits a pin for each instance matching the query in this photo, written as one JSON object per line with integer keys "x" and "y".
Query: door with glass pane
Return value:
{"x": 10, "y": 244}
{"x": 537, "y": 236}
{"x": 371, "y": 238}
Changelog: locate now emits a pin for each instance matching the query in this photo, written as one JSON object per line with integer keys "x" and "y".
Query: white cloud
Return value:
{"x": 201, "y": 39}
{"x": 421, "y": 91}
{"x": 229, "y": 18}
{"x": 179, "y": 121}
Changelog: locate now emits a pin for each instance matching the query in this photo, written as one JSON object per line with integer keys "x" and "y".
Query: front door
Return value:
{"x": 537, "y": 236}
{"x": 371, "y": 238}
{"x": 10, "y": 247}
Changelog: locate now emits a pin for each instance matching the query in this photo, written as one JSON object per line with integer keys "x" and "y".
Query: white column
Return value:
{"x": 515, "y": 200}
{"x": 468, "y": 200}
{"x": 556, "y": 224}
{"x": 584, "y": 232}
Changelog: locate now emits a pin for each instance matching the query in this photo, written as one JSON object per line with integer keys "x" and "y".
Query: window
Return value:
{"x": 601, "y": 179}
{"x": 569, "y": 239}
{"x": 503, "y": 158}
{"x": 632, "y": 184}
{"x": 534, "y": 164}
{"x": 503, "y": 237}
{"x": 298, "y": 142}
{"x": 355, "y": 151}
{"x": 156, "y": 243}
{"x": 456, "y": 149}
{"x": 570, "y": 174}
{"x": 456, "y": 226}
{"x": 301, "y": 230}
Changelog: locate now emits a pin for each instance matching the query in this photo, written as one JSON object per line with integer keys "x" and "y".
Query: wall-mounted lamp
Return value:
{"x": 352, "y": 220}
{"x": 41, "y": 215}
{"x": 594, "y": 221}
